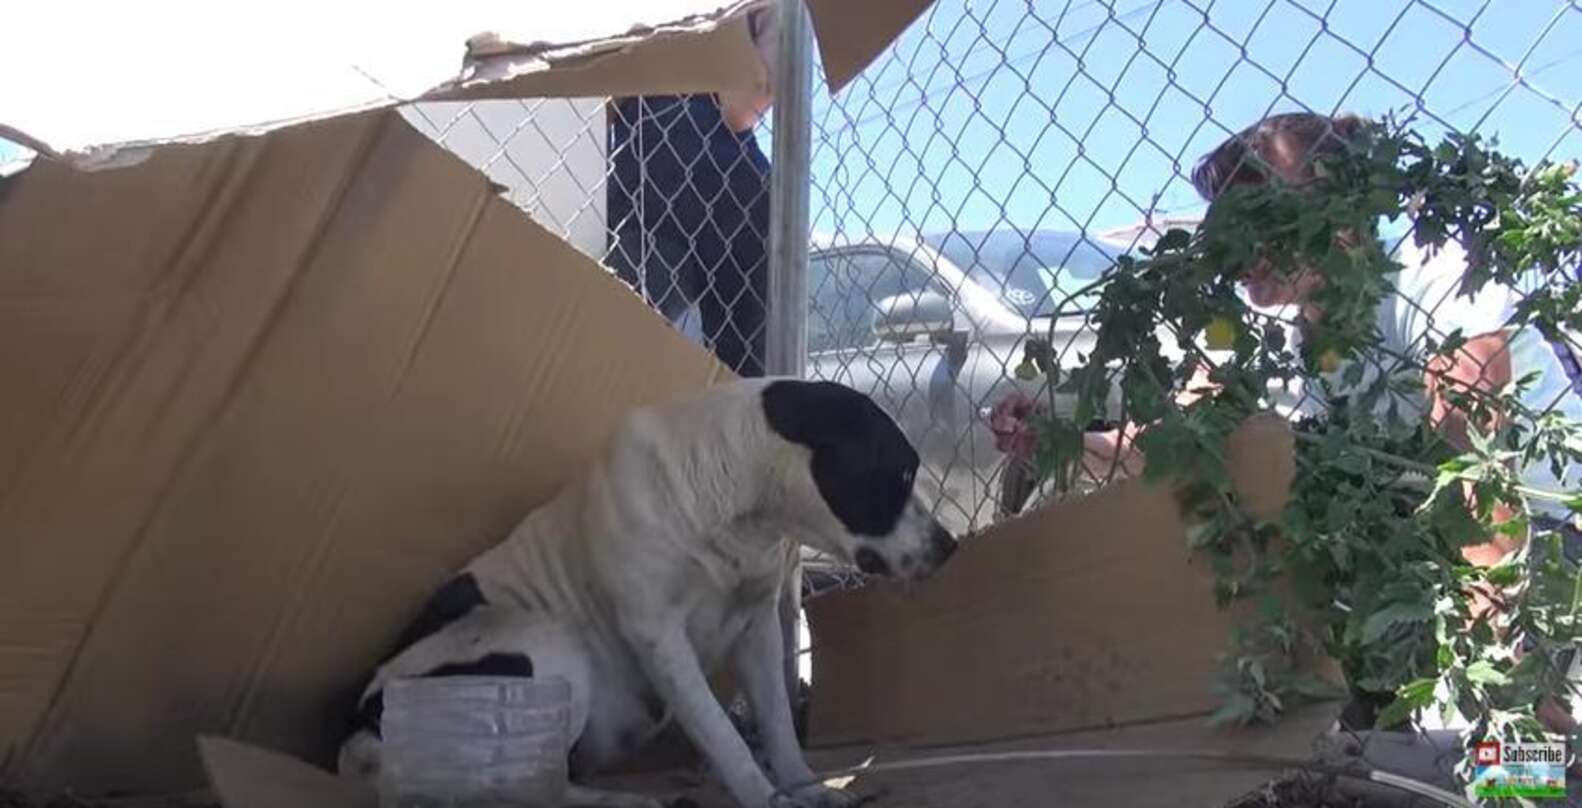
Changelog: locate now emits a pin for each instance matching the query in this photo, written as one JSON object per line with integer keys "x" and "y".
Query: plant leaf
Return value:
{"x": 1384, "y": 619}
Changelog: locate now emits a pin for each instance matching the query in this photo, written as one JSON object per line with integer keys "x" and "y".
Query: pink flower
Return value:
{"x": 1013, "y": 435}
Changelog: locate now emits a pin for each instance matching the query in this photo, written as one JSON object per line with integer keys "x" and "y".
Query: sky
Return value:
{"x": 985, "y": 115}
{"x": 107, "y": 71}
{"x": 1082, "y": 114}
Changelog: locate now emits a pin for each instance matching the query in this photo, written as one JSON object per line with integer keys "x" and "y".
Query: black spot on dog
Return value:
{"x": 370, "y": 711}
{"x": 862, "y": 463}
{"x": 494, "y": 664}
{"x": 455, "y": 600}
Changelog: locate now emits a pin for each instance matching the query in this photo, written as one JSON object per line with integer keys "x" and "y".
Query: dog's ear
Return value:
{"x": 862, "y": 464}
{"x": 817, "y": 414}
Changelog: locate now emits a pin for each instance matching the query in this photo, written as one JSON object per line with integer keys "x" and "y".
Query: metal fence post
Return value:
{"x": 786, "y": 342}
{"x": 788, "y": 193}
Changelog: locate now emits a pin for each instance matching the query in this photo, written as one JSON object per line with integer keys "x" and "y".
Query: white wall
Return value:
{"x": 548, "y": 152}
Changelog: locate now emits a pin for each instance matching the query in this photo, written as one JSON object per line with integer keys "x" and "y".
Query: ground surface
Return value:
{"x": 12, "y": 799}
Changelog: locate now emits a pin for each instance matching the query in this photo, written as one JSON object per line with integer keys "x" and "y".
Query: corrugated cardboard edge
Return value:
{"x": 661, "y": 59}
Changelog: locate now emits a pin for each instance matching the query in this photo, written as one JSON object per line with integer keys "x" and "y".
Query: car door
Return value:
{"x": 910, "y": 375}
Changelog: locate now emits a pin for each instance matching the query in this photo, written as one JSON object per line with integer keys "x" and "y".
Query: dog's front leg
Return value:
{"x": 675, "y": 674}
{"x": 759, "y": 658}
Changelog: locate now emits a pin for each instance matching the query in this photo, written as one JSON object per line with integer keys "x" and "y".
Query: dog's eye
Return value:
{"x": 906, "y": 477}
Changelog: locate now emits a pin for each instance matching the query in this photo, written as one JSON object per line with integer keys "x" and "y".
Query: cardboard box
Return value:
{"x": 266, "y": 385}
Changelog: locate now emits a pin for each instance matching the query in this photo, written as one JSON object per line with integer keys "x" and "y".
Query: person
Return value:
{"x": 688, "y": 205}
{"x": 1425, "y": 304}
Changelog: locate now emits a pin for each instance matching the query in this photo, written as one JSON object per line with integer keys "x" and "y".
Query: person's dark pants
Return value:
{"x": 730, "y": 297}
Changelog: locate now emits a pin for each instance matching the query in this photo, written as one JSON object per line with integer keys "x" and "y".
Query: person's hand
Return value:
{"x": 742, "y": 109}
{"x": 1112, "y": 454}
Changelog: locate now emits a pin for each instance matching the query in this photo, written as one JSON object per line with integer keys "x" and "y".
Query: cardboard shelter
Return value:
{"x": 264, "y": 385}
{"x": 273, "y": 364}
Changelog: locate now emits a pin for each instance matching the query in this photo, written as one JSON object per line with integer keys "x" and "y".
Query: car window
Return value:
{"x": 845, "y": 288}
{"x": 1032, "y": 273}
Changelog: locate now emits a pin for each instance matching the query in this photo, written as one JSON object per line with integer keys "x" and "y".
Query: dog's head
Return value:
{"x": 849, "y": 478}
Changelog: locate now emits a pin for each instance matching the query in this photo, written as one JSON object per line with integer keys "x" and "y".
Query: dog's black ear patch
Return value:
{"x": 455, "y": 600}
{"x": 813, "y": 414}
{"x": 862, "y": 463}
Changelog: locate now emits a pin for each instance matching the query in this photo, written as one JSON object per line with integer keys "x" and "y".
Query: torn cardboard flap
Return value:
{"x": 244, "y": 776}
{"x": 1086, "y": 614}
{"x": 192, "y": 73}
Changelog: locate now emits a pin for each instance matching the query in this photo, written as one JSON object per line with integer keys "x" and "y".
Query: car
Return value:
{"x": 934, "y": 328}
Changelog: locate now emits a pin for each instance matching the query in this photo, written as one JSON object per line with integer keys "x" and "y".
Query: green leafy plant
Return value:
{"x": 1368, "y": 551}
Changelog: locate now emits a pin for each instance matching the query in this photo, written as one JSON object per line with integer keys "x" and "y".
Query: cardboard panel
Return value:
{"x": 132, "y": 302}
{"x": 247, "y": 777}
{"x": 848, "y": 43}
{"x": 1147, "y": 771}
{"x": 1090, "y": 613}
{"x": 431, "y": 365}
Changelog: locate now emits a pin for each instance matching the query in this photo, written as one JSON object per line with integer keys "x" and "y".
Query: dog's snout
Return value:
{"x": 941, "y": 544}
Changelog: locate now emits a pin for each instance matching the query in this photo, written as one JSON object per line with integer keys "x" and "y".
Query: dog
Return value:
{"x": 667, "y": 559}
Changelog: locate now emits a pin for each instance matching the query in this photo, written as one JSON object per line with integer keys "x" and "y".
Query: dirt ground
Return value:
{"x": 13, "y": 799}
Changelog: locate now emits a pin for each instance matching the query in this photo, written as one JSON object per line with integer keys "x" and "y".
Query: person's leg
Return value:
{"x": 733, "y": 322}
{"x": 734, "y": 314}
{"x": 658, "y": 269}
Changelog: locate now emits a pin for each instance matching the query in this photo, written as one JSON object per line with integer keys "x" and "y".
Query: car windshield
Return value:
{"x": 1032, "y": 273}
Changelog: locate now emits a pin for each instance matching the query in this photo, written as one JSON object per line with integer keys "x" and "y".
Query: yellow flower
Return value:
{"x": 1221, "y": 333}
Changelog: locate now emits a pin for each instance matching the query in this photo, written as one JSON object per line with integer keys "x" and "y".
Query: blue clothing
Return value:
{"x": 688, "y": 206}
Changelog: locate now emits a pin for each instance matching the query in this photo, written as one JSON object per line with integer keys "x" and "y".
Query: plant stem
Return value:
{"x": 1424, "y": 468}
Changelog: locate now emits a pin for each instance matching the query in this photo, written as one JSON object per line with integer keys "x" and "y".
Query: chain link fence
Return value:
{"x": 993, "y": 162}
{"x": 658, "y": 190}
{"x": 1002, "y": 154}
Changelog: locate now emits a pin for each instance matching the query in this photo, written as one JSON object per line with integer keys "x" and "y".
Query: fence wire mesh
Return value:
{"x": 993, "y": 161}
{"x": 1001, "y": 154}
{"x": 660, "y": 190}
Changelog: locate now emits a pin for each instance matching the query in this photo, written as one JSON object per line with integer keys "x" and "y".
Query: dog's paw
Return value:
{"x": 819, "y": 796}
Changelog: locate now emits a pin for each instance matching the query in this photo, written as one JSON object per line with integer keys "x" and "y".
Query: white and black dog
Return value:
{"x": 668, "y": 559}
